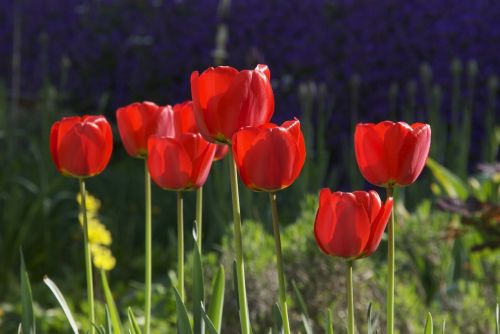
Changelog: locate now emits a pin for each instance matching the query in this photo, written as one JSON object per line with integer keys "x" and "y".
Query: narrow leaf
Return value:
{"x": 183, "y": 325}
{"x": 60, "y": 298}
{"x": 329, "y": 322}
{"x": 217, "y": 299}
{"x": 277, "y": 320}
{"x": 111, "y": 306}
{"x": 452, "y": 185}
{"x": 28, "y": 316}
{"x": 305, "y": 314}
{"x": 211, "y": 329}
{"x": 444, "y": 327}
{"x": 498, "y": 318}
{"x": 134, "y": 327}
{"x": 198, "y": 291}
{"x": 428, "y": 324}
{"x": 109, "y": 323}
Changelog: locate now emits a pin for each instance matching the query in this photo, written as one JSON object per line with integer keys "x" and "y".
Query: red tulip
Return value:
{"x": 226, "y": 100}
{"x": 350, "y": 225}
{"x": 180, "y": 163}
{"x": 136, "y": 122}
{"x": 180, "y": 119}
{"x": 81, "y": 146}
{"x": 269, "y": 157}
{"x": 221, "y": 151}
{"x": 392, "y": 153}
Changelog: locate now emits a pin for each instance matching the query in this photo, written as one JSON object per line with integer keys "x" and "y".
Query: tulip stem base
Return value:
{"x": 88, "y": 258}
{"x": 350, "y": 299}
{"x": 199, "y": 216}
{"x": 238, "y": 245}
{"x": 180, "y": 244}
{"x": 148, "y": 259}
{"x": 390, "y": 265}
{"x": 279, "y": 263}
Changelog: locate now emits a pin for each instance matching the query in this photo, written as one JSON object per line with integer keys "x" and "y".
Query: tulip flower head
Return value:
{"x": 180, "y": 163}
{"x": 225, "y": 100}
{"x": 81, "y": 146}
{"x": 391, "y": 153}
{"x": 350, "y": 225}
{"x": 137, "y": 121}
{"x": 269, "y": 157}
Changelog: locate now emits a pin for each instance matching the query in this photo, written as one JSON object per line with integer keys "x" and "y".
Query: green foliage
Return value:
{"x": 28, "y": 323}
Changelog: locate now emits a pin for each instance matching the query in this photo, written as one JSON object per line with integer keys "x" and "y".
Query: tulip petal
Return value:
{"x": 168, "y": 163}
{"x": 80, "y": 149}
{"x": 369, "y": 150}
{"x": 378, "y": 227}
{"x": 414, "y": 152}
{"x": 352, "y": 229}
{"x": 201, "y": 153}
{"x": 324, "y": 223}
{"x": 394, "y": 138}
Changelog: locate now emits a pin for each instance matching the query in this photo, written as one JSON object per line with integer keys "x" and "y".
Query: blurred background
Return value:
{"x": 333, "y": 63}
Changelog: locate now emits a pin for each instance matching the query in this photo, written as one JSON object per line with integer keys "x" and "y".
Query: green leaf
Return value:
{"x": 111, "y": 306}
{"x": 444, "y": 327}
{"x": 451, "y": 184}
{"x": 134, "y": 327}
{"x": 277, "y": 320}
{"x": 305, "y": 314}
{"x": 428, "y": 324}
{"x": 28, "y": 316}
{"x": 108, "y": 322}
{"x": 216, "y": 306}
{"x": 183, "y": 325}
{"x": 498, "y": 319}
{"x": 209, "y": 325}
{"x": 60, "y": 298}
{"x": 372, "y": 320}
{"x": 198, "y": 291}
{"x": 329, "y": 322}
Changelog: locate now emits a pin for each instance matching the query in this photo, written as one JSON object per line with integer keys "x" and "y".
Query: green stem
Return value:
{"x": 238, "y": 245}
{"x": 199, "y": 213}
{"x": 180, "y": 244}
{"x": 148, "y": 234}
{"x": 279, "y": 262}
{"x": 390, "y": 264}
{"x": 350, "y": 299}
{"x": 88, "y": 259}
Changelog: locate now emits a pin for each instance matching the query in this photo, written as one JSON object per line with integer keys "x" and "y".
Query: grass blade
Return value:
{"x": 211, "y": 329}
{"x": 277, "y": 320}
{"x": 183, "y": 325}
{"x": 111, "y": 306}
{"x": 329, "y": 322}
{"x": 28, "y": 316}
{"x": 198, "y": 292}
{"x": 428, "y": 324}
{"x": 134, "y": 327}
{"x": 60, "y": 298}
{"x": 498, "y": 319}
{"x": 216, "y": 306}
{"x": 305, "y": 314}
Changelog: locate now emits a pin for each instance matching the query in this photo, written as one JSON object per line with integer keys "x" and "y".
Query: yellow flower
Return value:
{"x": 92, "y": 203}
{"x": 102, "y": 257}
{"x": 98, "y": 234}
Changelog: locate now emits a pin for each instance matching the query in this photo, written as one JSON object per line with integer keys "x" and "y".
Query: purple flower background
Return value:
{"x": 135, "y": 50}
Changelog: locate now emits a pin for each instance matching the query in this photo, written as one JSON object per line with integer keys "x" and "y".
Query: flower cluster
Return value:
{"x": 99, "y": 236}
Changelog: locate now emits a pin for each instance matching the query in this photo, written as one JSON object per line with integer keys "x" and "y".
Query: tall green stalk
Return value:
{"x": 199, "y": 217}
{"x": 180, "y": 244}
{"x": 88, "y": 259}
{"x": 148, "y": 234}
{"x": 279, "y": 263}
{"x": 390, "y": 264}
{"x": 350, "y": 299}
{"x": 238, "y": 245}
